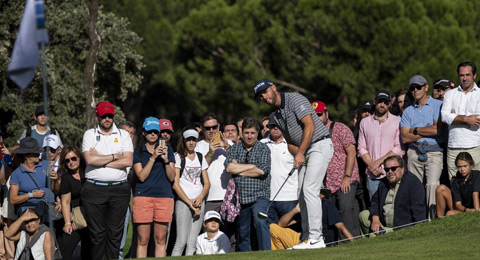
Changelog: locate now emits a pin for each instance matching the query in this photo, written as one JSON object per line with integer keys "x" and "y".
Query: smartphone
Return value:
{"x": 217, "y": 137}
{"x": 162, "y": 143}
{"x": 1, "y": 151}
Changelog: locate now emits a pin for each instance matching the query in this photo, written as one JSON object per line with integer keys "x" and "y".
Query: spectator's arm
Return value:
{"x": 376, "y": 224}
{"x": 13, "y": 231}
{"x": 342, "y": 228}
{"x": 287, "y": 219}
{"x": 476, "y": 201}
{"x": 49, "y": 246}
{"x": 246, "y": 170}
{"x": 397, "y": 147}
{"x": 16, "y": 199}
{"x": 408, "y": 136}
{"x": 65, "y": 200}
{"x": 125, "y": 160}
{"x": 362, "y": 143}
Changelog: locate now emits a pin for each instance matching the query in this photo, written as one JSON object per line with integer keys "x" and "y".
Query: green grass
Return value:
{"x": 456, "y": 237}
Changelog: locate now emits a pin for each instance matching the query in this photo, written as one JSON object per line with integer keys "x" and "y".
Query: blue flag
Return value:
{"x": 25, "y": 56}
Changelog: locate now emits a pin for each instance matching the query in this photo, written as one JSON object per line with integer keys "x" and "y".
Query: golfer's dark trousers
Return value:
{"x": 105, "y": 208}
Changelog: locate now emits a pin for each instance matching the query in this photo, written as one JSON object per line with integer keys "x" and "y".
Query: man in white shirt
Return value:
{"x": 213, "y": 241}
{"x": 210, "y": 126}
{"x": 461, "y": 111}
{"x": 108, "y": 151}
{"x": 282, "y": 163}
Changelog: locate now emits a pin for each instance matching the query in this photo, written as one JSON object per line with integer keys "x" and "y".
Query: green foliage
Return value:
{"x": 340, "y": 52}
{"x": 118, "y": 67}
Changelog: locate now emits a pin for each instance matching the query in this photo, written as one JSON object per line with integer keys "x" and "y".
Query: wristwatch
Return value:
{"x": 346, "y": 175}
{"x": 415, "y": 131}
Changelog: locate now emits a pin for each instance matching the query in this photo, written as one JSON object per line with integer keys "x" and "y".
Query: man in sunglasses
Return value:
{"x": 308, "y": 140}
{"x": 207, "y": 147}
{"x": 421, "y": 131}
{"x": 461, "y": 111}
{"x": 440, "y": 87}
{"x": 399, "y": 200}
{"x": 378, "y": 138}
{"x": 108, "y": 151}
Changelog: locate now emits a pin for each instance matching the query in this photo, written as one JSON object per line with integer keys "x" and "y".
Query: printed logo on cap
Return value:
{"x": 315, "y": 105}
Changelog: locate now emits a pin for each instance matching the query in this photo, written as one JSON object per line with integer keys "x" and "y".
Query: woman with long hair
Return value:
{"x": 72, "y": 170}
{"x": 191, "y": 185}
{"x": 153, "y": 196}
{"x": 464, "y": 195}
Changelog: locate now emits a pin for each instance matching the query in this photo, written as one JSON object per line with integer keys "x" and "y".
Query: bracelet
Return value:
{"x": 348, "y": 176}
{"x": 67, "y": 224}
{"x": 113, "y": 157}
{"x": 30, "y": 194}
{"x": 151, "y": 159}
{"x": 209, "y": 154}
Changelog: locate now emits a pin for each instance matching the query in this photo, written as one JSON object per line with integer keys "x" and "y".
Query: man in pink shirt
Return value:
{"x": 379, "y": 138}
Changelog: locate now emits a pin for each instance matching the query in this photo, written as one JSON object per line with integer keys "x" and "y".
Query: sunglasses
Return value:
{"x": 107, "y": 115}
{"x": 208, "y": 128}
{"x": 417, "y": 87}
{"x": 30, "y": 220}
{"x": 393, "y": 168}
{"x": 153, "y": 131}
{"x": 73, "y": 159}
{"x": 51, "y": 150}
{"x": 319, "y": 114}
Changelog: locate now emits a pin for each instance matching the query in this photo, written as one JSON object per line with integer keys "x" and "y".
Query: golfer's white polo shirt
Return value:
{"x": 118, "y": 141}
{"x": 219, "y": 244}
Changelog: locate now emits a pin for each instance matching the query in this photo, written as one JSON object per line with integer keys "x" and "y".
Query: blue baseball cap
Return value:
{"x": 262, "y": 85}
{"x": 151, "y": 123}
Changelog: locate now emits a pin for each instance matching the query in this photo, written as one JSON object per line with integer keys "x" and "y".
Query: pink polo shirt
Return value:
{"x": 378, "y": 138}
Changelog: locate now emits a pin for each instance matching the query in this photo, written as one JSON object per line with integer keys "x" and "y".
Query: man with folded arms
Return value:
{"x": 108, "y": 151}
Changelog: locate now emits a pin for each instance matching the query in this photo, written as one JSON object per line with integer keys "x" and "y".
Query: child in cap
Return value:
{"x": 212, "y": 241}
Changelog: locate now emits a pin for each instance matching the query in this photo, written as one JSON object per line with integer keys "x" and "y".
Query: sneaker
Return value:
{"x": 311, "y": 244}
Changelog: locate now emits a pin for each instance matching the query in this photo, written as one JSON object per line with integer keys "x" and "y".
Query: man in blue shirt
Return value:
{"x": 421, "y": 129}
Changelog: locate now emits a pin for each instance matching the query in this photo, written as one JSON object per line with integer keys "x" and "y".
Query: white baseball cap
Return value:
{"x": 212, "y": 214}
{"x": 52, "y": 141}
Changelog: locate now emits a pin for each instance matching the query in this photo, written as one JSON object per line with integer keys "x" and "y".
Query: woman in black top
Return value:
{"x": 72, "y": 168}
{"x": 464, "y": 196}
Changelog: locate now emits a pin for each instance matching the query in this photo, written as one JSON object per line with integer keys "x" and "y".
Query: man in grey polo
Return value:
{"x": 308, "y": 140}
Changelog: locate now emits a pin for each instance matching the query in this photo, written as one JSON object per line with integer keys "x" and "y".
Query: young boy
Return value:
{"x": 212, "y": 241}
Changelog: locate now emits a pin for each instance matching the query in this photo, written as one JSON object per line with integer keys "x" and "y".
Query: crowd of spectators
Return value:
{"x": 294, "y": 179}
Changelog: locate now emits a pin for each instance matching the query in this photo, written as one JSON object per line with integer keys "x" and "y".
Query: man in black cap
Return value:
{"x": 40, "y": 130}
{"x": 308, "y": 140}
{"x": 378, "y": 138}
{"x": 440, "y": 87}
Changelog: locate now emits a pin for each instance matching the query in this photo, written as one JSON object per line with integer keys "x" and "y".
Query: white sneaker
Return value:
{"x": 311, "y": 244}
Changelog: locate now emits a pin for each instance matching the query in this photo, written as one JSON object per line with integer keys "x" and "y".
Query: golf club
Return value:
{"x": 264, "y": 215}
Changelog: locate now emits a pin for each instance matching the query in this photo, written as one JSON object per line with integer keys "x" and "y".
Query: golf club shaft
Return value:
{"x": 288, "y": 176}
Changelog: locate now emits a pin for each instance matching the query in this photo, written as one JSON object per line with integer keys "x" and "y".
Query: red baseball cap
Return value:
{"x": 165, "y": 124}
{"x": 319, "y": 106}
{"x": 105, "y": 108}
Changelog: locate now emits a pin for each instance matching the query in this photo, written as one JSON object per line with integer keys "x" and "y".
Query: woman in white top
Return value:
{"x": 191, "y": 185}
{"x": 43, "y": 246}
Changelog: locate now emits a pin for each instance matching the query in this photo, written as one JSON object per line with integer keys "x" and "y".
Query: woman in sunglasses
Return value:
{"x": 153, "y": 164}
{"x": 72, "y": 170}
{"x": 191, "y": 185}
{"x": 464, "y": 195}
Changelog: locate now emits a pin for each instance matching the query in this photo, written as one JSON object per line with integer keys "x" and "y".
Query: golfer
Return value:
{"x": 308, "y": 140}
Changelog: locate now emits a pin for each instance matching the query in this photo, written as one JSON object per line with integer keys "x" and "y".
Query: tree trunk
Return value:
{"x": 89, "y": 72}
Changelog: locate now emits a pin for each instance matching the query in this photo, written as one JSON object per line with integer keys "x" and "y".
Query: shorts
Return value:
{"x": 151, "y": 209}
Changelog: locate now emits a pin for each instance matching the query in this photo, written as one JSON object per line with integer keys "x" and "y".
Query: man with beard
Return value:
{"x": 421, "y": 130}
{"x": 379, "y": 138}
{"x": 440, "y": 87}
{"x": 108, "y": 151}
{"x": 461, "y": 111}
{"x": 249, "y": 163}
{"x": 308, "y": 140}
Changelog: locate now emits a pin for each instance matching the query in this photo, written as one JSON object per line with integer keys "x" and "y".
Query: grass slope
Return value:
{"x": 456, "y": 237}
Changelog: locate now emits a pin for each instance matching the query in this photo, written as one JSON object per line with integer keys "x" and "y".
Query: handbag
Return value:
{"x": 78, "y": 219}
{"x": 45, "y": 207}
{"x": 230, "y": 207}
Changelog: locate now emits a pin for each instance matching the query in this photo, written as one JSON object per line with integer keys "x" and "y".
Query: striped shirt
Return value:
{"x": 250, "y": 189}
{"x": 289, "y": 115}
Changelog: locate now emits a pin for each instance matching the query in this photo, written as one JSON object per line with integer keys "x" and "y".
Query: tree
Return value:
{"x": 118, "y": 68}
